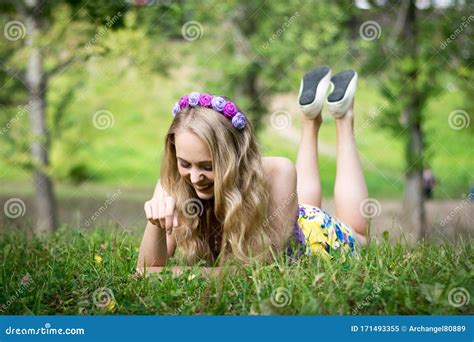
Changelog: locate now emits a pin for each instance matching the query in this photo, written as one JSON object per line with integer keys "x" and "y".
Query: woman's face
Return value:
{"x": 195, "y": 163}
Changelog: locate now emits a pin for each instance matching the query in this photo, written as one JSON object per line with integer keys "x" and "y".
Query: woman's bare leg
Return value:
{"x": 350, "y": 189}
{"x": 307, "y": 163}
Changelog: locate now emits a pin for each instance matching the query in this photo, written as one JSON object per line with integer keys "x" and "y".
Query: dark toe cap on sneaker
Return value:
{"x": 341, "y": 82}
{"x": 310, "y": 84}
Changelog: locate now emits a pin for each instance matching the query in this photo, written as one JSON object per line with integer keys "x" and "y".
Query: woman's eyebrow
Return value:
{"x": 201, "y": 163}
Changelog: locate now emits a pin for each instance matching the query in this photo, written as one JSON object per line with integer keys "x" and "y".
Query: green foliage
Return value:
{"x": 252, "y": 49}
{"x": 66, "y": 273}
{"x": 133, "y": 145}
{"x": 414, "y": 74}
{"x": 137, "y": 67}
{"x": 74, "y": 35}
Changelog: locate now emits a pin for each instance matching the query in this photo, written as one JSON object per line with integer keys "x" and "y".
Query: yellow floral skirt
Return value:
{"x": 319, "y": 233}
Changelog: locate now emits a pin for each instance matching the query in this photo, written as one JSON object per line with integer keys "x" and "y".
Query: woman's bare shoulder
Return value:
{"x": 281, "y": 177}
{"x": 277, "y": 166}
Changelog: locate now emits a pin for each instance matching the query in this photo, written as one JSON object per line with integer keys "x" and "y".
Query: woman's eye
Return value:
{"x": 208, "y": 168}
{"x": 186, "y": 166}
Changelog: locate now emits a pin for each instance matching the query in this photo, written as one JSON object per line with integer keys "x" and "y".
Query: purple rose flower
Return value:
{"x": 176, "y": 109}
{"x": 239, "y": 121}
{"x": 183, "y": 102}
{"x": 229, "y": 109}
{"x": 205, "y": 100}
{"x": 193, "y": 99}
{"x": 218, "y": 103}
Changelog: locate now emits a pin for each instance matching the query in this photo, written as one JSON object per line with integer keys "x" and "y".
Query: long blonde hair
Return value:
{"x": 241, "y": 198}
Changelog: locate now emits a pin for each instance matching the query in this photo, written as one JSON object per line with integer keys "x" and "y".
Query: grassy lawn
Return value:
{"x": 93, "y": 272}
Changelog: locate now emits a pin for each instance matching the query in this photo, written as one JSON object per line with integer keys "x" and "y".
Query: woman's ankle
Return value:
{"x": 313, "y": 123}
{"x": 347, "y": 119}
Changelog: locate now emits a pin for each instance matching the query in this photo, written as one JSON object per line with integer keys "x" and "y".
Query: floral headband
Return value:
{"x": 218, "y": 103}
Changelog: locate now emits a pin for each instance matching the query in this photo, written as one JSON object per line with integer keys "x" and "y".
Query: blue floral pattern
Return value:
{"x": 318, "y": 233}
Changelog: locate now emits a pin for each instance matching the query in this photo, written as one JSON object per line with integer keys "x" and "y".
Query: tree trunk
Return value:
{"x": 37, "y": 85}
{"x": 414, "y": 208}
{"x": 243, "y": 25}
{"x": 247, "y": 88}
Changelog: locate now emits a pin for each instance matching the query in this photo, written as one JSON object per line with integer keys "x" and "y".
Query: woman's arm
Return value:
{"x": 156, "y": 246}
{"x": 153, "y": 249}
{"x": 283, "y": 210}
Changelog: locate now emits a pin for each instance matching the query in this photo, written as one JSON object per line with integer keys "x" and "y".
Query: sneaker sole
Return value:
{"x": 313, "y": 89}
{"x": 343, "y": 89}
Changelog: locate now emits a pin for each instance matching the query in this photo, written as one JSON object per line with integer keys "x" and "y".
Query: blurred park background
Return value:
{"x": 87, "y": 90}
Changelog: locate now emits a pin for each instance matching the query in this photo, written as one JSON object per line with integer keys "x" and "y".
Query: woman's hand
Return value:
{"x": 161, "y": 211}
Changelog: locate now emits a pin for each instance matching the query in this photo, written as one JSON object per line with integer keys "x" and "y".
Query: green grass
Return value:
{"x": 62, "y": 274}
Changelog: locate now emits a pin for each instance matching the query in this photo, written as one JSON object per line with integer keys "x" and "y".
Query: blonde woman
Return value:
{"x": 217, "y": 198}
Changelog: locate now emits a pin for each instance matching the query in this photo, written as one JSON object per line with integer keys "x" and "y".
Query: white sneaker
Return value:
{"x": 313, "y": 90}
{"x": 343, "y": 88}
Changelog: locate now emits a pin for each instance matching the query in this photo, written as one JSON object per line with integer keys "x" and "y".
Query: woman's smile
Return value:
{"x": 204, "y": 188}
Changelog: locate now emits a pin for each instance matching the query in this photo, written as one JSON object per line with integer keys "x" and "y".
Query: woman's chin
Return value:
{"x": 205, "y": 195}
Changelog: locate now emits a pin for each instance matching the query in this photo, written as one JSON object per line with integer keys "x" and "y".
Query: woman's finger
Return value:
{"x": 154, "y": 213}
{"x": 170, "y": 206}
{"x": 149, "y": 212}
{"x": 175, "y": 219}
{"x": 161, "y": 212}
{"x": 147, "y": 209}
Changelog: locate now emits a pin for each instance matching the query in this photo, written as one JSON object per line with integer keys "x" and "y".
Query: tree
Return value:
{"x": 412, "y": 58}
{"x": 412, "y": 115}
{"x": 34, "y": 24}
{"x": 48, "y": 39}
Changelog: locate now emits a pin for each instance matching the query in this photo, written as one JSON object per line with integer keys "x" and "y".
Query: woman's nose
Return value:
{"x": 195, "y": 176}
